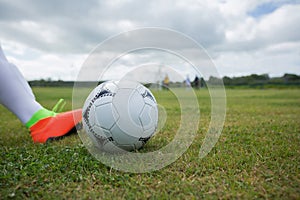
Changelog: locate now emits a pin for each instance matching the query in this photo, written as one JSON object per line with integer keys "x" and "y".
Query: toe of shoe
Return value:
{"x": 56, "y": 126}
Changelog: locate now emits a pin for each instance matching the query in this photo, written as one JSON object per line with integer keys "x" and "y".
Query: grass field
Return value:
{"x": 257, "y": 155}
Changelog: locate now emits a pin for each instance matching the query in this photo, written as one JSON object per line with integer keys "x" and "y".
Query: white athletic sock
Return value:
{"x": 15, "y": 92}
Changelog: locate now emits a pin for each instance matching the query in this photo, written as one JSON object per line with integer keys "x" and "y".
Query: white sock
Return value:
{"x": 15, "y": 92}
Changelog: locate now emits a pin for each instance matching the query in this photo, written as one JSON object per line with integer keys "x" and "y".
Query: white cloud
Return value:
{"x": 46, "y": 40}
{"x": 35, "y": 64}
{"x": 274, "y": 60}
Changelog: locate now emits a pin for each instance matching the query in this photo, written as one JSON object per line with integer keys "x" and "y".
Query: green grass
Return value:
{"x": 257, "y": 155}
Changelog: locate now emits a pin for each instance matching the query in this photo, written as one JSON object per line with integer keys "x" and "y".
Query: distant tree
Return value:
{"x": 227, "y": 80}
{"x": 214, "y": 80}
{"x": 291, "y": 77}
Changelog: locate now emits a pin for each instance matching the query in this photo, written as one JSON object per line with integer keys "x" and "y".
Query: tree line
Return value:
{"x": 252, "y": 81}
{"x": 263, "y": 80}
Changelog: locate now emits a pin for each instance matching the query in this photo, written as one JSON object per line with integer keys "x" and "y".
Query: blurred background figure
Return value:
{"x": 166, "y": 81}
{"x": 187, "y": 82}
{"x": 196, "y": 83}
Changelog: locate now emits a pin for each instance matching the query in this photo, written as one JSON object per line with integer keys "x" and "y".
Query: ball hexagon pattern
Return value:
{"x": 120, "y": 115}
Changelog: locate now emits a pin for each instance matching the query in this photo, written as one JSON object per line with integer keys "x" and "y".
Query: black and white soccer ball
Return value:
{"x": 120, "y": 115}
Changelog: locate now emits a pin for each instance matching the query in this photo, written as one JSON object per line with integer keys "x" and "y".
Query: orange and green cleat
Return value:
{"x": 48, "y": 125}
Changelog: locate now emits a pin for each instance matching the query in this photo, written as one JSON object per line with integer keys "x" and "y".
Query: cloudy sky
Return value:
{"x": 51, "y": 39}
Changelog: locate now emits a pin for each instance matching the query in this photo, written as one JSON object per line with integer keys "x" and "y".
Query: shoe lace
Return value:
{"x": 59, "y": 106}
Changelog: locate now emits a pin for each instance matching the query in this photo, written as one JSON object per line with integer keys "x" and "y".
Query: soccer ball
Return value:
{"x": 120, "y": 115}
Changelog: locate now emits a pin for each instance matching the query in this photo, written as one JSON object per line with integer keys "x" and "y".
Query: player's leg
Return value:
{"x": 17, "y": 96}
{"x": 15, "y": 93}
